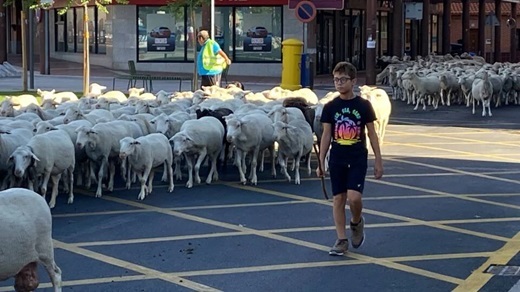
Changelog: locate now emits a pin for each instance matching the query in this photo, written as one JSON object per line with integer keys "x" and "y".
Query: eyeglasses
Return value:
{"x": 341, "y": 80}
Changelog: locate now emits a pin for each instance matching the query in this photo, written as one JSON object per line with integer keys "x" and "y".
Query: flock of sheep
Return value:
{"x": 446, "y": 80}
{"x": 73, "y": 141}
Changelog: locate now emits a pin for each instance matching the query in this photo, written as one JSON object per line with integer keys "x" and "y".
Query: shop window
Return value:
{"x": 246, "y": 34}
{"x": 258, "y": 34}
{"x": 162, "y": 36}
{"x": 69, "y": 31}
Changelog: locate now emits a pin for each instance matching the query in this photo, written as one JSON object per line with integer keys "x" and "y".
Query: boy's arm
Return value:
{"x": 374, "y": 142}
{"x": 325, "y": 142}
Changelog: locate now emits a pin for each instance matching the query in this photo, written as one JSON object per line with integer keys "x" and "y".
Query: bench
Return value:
{"x": 134, "y": 76}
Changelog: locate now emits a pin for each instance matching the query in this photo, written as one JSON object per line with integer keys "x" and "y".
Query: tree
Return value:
{"x": 176, "y": 7}
{"x": 101, "y": 4}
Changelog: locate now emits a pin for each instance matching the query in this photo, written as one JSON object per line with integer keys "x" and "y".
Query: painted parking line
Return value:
{"x": 475, "y": 174}
{"x": 444, "y": 194}
{"x": 479, "y": 278}
{"x": 451, "y": 137}
{"x": 382, "y": 214}
{"x": 368, "y": 259}
{"x": 134, "y": 267}
{"x": 287, "y": 230}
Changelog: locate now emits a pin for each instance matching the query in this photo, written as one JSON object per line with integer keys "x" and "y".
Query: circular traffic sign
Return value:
{"x": 305, "y": 11}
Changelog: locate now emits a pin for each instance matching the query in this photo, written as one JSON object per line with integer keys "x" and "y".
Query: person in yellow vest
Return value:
{"x": 211, "y": 60}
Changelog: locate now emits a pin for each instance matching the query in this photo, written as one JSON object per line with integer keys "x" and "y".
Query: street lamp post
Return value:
{"x": 86, "y": 53}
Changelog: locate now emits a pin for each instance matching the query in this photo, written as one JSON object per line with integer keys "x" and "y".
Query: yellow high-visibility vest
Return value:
{"x": 211, "y": 61}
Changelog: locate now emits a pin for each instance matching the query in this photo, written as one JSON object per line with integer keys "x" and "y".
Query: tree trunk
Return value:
{"x": 194, "y": 46}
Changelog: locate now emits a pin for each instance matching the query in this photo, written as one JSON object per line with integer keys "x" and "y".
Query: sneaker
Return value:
{"x": 358, "y": 233}
{"x": 339, "y": 248}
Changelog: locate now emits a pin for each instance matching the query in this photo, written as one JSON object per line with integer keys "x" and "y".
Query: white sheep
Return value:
{"x": 382, "y": 108}
{"x": 482, "y": 90}
{"x": 295, "y": 140}
{"x": 146, "y": 153}
{"x": 251, "y": 134}
{"x": 26, "y": 213}
{"x": 101, "y": 142}
{"x": 59, "y": 97}
{"x": 10, "y": 139}
{"x": 48, "y": 155}
{"x": 202, "y": 137}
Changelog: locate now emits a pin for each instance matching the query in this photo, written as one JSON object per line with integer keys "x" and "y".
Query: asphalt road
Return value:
{"x": 447, "y": 208}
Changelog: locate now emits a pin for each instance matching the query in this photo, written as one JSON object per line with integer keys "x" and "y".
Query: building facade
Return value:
{"x": 252, "y": 31}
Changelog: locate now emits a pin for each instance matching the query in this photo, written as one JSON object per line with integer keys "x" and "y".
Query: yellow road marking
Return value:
{"x": 479, "y": 278}
{"x": 265, "y": 234}
{"x": 73, "y": 283}
{"x": 253, "y": 269}
{"x": 444, "y": 194}
{"x": 285, "y": 230}
{"x": 66, "y": 215}
{"x": 134, "y": 267}
{"x": 450, "y": 137}
{"x": 476, "y": 174}
{"x": 382, "y": 214}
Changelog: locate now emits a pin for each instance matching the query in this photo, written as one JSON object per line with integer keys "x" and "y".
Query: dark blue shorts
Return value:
{"x": 345, "y": 177}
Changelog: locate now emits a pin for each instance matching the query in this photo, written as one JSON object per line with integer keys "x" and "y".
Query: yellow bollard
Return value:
{"x": 291, "y": 64}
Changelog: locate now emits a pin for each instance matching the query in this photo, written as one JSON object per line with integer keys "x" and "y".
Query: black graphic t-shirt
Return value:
{"x": 348, "y": 119}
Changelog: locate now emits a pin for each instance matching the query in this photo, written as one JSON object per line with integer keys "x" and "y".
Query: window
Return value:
{"x": 258, "y": 32}
{"x": 162, "y": 36}
{"x": 69, "y": 31}
{"x": 102, "y": 32}
{"x": 246, "y": 34}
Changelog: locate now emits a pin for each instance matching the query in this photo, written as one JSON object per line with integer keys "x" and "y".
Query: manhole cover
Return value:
{"x": 502, "y": 270}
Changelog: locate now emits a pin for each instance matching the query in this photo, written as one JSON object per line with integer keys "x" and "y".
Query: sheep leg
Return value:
{"x": 273, "y": 161}
{"x": 213, "y": 169}
{"x": 254, "y": 163}
{"x": 283, "y": 166}
{"x": 177, "y": 172}
{"x": 143, "y": 176}
{"x": 473, "y": 102}
{"x": 150, "y": 181}
{"x": 488, "y": 103}
{"x": 169, "y": 167}
{"x": 297, "y": 170}
{"x": 203, "y": 153}
{"x": 261, "y": 168}
{"x": 54, "y": 193}
{"x": 101, "y": 174}
{"x": 165, "y": 173}
{"x": 43, "y": 188}
{"x": 128, "y": 183}
{"x": 189, "y": 163}
{"x": 71, "y": 183}
{"x": 238, "y": 161}
{"x": 309, "y": 170}
{"x": 112, "y": 173}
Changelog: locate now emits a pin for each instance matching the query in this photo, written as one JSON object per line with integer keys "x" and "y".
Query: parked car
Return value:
{"x": 257, "y": 32}
{"x": 160, "y": 32}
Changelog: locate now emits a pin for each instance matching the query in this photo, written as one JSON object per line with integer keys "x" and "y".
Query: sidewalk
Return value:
{"x": 62, "y": 68}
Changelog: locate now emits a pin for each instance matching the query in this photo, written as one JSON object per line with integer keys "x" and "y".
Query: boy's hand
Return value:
{"x": 319, "y": 173}
{"x": 378, "y": 169}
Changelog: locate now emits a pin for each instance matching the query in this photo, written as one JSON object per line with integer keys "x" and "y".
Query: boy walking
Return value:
{"x": 344, "y": 120}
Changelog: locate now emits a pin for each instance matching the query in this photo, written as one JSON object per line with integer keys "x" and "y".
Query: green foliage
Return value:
{"x": 34, "y": 4}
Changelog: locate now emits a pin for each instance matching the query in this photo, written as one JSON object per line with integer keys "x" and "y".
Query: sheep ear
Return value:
{"x": 35, "y": 157}
{"x": 39, "y": 91}
{"x": 53, "y": 91}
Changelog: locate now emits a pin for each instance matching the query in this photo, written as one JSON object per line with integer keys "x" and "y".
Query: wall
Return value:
{"x": 456, "y": 32}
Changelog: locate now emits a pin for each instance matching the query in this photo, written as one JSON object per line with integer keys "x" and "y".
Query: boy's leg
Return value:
{"x": 354, "y": 195}
{"x": 338, "y": 212}
{"x": 356, "y": 205}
